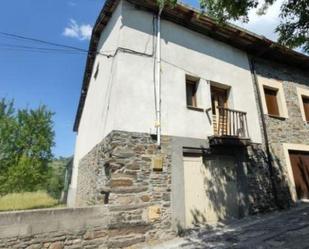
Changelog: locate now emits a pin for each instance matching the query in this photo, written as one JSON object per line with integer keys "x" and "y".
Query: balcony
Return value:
{"x": 230, "y": 127}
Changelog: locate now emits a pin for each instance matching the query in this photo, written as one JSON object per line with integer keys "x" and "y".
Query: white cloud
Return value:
{"x": 264, "y": 25}
{"x": 74, "y": 30}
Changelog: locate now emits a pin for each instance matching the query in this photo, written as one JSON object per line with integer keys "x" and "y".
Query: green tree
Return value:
{"x": 294, "y": 26}
{"x": 293, "y": 29}
{"x": 56, "y": 176}
{"x": 8, "y": 128}
{"x": 27, "y": 175}
{"x": 26, "y": 139}
{"x": 36, "y": 136}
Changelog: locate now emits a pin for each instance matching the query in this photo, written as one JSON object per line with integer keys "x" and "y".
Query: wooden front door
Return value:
{"x": 218, "y": 99}
{"x": 300, "y": 167}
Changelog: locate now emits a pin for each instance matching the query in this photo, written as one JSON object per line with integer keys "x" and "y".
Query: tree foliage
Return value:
{"x": 8, "y": 131}
{"x": 294, "y": 26}
{"x": 55, "y": 183}
{"x": 293, "y": 29}
{"x": 26, "y": 140}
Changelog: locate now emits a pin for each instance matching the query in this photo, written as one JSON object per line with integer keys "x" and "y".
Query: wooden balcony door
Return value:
{"x": 219, "y": 98}
{"x": 300, "y": 167}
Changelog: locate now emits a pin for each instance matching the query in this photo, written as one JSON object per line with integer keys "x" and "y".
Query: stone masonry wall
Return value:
{"x": 292, "y": 130}
{"x": 81, "y": 228}
{"x": 260, "y": 190}
{"x": 119, "y": 172}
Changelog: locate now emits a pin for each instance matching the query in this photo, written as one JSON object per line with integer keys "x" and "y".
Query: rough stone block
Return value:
{"x": 56, "y": 245}
{"x": 126, "y": 200}
{"x": 133, "y": 167}
{"x": 154, "y": 213}
{"x": 125, "y": 241}
{"x": 145, "y": 198}
{"x": 121, "y": 183}
{"x": 90, "y": 235}
{"x": 35, "y": 246}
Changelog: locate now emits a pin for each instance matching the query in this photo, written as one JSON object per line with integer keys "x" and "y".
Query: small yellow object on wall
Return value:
{"x": 157, "y": 163}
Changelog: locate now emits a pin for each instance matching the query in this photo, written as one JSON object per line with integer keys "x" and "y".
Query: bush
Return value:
{"x": 27, "y": 200}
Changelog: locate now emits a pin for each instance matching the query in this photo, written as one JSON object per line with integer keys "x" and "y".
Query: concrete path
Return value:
{"x": 288, "y": 229}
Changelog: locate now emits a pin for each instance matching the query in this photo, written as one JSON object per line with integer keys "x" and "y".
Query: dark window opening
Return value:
{"x": 191, "y": 89}
{"x": 272, "y": 101}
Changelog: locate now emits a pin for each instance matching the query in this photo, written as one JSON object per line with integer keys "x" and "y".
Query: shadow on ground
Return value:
{"x": 288, "y": 229}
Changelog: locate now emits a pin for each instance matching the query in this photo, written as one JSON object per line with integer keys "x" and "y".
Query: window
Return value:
{"x": 191, "y": 89}
{"x": 306, "y": 107}
{"x": 271, "y": 99}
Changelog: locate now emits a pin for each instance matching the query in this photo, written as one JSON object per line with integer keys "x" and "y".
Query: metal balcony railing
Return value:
{"x": 230, "y": 123}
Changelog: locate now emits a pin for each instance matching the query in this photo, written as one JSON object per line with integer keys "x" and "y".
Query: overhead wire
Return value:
{"x": 21, "y": 48}
{"x": 53, "y": 44}
{"x": 42, "y": 41}
{"x": 68, "y": 49}
{"x": 31, "y": 47}
{"x": 38, "y": 51}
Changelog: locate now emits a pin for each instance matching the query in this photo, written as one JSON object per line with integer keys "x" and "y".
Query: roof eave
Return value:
{"x": 253, "y": 44}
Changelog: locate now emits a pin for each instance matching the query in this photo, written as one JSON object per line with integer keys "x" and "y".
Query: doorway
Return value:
{"x": 219, "y": 101}
{"x": 211, "y": 192}
{"x": 300, "y": 167}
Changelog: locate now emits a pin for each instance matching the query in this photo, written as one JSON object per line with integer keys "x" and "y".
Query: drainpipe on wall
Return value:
{"x": 158, "y": 88}
{"x": 269, "y": 156}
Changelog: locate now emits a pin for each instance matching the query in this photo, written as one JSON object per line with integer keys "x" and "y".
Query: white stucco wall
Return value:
{"x": 122, "y": 96}
{"x": 99, "y": 105}
{"x": 183, "y": 52}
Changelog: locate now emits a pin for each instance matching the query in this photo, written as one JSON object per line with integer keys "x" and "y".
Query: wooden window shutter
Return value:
{"x": 271, "y": 101}
{"x": 306, "y": 107}
{"x": 191, "y": 88}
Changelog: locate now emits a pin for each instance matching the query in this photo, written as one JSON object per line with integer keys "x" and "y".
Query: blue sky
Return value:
{"x": 53, "y": 78}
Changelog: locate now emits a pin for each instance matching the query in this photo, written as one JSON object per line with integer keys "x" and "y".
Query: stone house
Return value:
{"x": 187, "y": 121}
{"x": 284, "y": 97}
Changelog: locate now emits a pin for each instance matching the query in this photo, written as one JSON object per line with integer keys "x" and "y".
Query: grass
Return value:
{"x": 22, "y": 201}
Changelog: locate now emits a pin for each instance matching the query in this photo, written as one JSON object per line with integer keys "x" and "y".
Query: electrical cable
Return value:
{"x": 107, "y": 53}
{"x": 39, "y": 48}
{"x": 41, "y": 41}
{"x": 27, "y": 38}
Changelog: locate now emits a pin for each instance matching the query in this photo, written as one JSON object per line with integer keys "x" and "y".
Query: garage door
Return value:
{"x": 210, "y": 189}
{"x": 300, "y": 167}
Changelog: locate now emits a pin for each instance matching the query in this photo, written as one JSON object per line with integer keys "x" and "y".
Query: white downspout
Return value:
{"x": 158, "y": 88}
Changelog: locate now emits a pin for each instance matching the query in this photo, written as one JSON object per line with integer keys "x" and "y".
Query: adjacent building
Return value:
{"x": 188, "y": 121}
{"x": 284, "y": 92}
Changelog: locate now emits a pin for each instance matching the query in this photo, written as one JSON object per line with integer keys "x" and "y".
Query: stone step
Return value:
{"x": 125, "y": 241}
